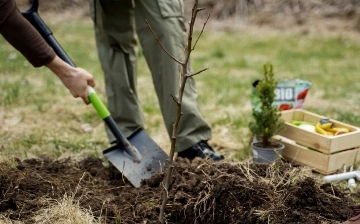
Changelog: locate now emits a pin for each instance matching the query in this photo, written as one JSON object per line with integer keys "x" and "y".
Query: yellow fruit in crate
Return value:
{"x": 328, "y": 127}
{"x": 330, "y": 133}
{"x": 319, "y": 130}
{"x": 342, "y": 129}
{"x": 325, "y": 123}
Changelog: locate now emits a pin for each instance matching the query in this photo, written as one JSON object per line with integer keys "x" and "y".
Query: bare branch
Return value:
{"x": 196, "y": 73}
{"x": 162, "y": 47}
{"x": 174, "y": 98}
{"x": 202, "y": 30}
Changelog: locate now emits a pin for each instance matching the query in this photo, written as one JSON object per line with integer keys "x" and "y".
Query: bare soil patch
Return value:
{"x": 201, "y": 192}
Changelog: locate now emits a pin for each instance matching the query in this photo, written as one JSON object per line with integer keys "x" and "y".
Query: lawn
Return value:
{"x": 38, "y": 115}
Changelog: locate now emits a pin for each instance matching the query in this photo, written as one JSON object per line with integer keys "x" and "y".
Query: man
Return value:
{"x": 24, "y": 37}
{"x": 116, "y": 24}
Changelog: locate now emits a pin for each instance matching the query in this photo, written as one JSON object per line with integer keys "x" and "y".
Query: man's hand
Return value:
{"x": 75, "y": 79}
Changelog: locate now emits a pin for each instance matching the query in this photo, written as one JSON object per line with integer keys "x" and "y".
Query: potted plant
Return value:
{"x": 266, "y": 119}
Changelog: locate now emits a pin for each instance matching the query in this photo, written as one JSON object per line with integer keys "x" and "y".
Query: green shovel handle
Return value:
{"x": 97, "y": 103}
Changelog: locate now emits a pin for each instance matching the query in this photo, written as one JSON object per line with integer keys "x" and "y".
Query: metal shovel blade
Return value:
{"x": 153, "y": 158}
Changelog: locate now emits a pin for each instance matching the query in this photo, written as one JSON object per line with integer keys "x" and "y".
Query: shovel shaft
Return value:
{"x": 33, "y": 17}
{"x": 130, "y": 149}
{"x": 111, "y": 124}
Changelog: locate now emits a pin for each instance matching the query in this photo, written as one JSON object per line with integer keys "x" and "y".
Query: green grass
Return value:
{"x": 38, "y": 115}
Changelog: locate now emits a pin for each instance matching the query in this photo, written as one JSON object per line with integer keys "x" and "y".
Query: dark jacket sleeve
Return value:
{"x": 23, "y": 36}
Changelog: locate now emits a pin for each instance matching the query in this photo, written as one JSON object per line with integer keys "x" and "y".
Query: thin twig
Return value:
{"x": 202, "y": 30}
{"x": 196, "y": 73}
{"x": 162, "y": 47}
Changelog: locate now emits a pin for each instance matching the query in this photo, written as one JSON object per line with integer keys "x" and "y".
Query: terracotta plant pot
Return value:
{"x": 266, "y": 155}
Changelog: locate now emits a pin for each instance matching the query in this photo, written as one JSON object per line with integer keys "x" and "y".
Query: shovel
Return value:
{"x": 138, "y": 157}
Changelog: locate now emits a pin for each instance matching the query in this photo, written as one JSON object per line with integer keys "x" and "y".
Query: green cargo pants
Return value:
{"x": 117, "y": 22}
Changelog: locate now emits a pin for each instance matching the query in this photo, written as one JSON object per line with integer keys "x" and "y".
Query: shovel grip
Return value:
{"x": 97, "y": 103}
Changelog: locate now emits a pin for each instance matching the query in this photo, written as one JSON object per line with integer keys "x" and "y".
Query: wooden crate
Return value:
{"x": 325, "y": 144}
{"x": 318, "y": 161}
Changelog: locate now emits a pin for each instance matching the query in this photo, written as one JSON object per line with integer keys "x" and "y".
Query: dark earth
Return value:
{"x": 200, "y": 191}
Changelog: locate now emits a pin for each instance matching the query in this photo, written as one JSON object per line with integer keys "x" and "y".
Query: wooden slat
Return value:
{"x": 320, "y": 162}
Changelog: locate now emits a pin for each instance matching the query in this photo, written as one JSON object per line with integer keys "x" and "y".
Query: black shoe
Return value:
{"x": 201, "y": 149}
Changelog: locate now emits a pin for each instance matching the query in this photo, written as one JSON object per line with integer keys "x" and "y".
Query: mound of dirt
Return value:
{"x": 200, "y": 192}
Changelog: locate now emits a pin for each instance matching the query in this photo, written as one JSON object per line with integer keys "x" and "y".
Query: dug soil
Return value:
{"x": 200, "y": 192}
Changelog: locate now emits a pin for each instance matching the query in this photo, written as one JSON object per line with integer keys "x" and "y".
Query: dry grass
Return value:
{"x": 66, "y": 211}
{"x": 4, "y": 220}
{"x": 6, "y": 163}
{"x": 270, "y": 185}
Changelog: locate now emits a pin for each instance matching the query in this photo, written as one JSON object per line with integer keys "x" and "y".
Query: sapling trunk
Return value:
{"x": 178, "y": 100}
